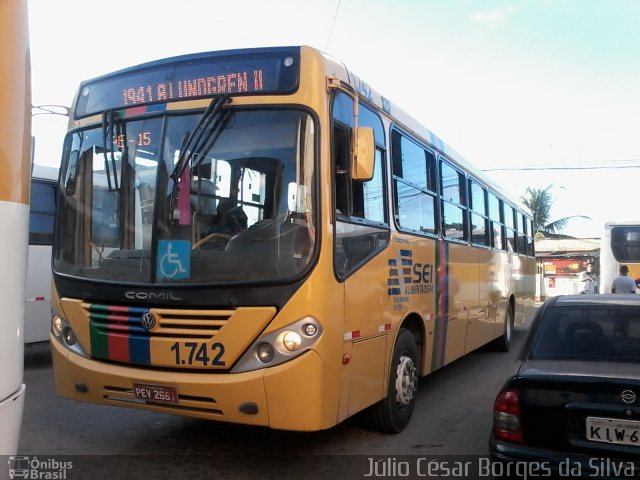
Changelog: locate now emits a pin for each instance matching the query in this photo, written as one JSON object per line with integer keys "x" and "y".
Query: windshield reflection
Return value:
{"x": 236, "y": 207}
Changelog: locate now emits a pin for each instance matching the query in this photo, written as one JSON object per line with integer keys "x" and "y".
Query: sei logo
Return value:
{"x": 422, "y": 273}
{"x": 407, "y": 277}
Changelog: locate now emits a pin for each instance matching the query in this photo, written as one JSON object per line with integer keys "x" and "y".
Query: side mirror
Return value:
{"x": 362, "y": 166}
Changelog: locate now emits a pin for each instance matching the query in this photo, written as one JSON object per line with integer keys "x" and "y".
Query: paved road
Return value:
{"x": 453, "y": 416}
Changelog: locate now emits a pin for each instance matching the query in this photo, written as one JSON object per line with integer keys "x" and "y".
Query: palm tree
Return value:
{"x": 539, "y": 201}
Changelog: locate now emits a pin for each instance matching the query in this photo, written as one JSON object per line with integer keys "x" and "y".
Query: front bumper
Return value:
{"x": 288, "y": 396}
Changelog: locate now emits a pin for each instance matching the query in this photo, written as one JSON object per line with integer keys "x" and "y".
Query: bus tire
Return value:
{"x": 392, "y": 414}
{"x": 503, "y": 343}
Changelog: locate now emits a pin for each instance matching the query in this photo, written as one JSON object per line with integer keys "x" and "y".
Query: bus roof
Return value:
{"x": 614, "y": 223}
{"x": 403, "y": 119}
{"x": 394, "y": 113}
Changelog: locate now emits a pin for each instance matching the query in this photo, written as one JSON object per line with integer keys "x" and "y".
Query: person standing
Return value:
{"x": 589, "y": 279}
{"x": 623, "y": 284}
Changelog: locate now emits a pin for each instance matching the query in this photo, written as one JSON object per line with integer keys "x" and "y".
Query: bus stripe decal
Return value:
{"x": 99, "y": 345}
{"x": 444, "y": 299}
{"x": 442, "y": 305}
{"x": 436, "y": 326}
{"x": 140, "y": 349}
{"x": 116, "y": 334}
{"x": 118, "y": 347}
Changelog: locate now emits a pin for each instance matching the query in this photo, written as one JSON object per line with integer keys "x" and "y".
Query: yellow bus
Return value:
{"x": 257, "y": 236}
{"x": 15, "y": 158}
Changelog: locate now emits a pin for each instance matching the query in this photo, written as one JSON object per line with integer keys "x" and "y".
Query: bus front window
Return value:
{"x": 148, "y": 206}
{"x": 625, "y": 243}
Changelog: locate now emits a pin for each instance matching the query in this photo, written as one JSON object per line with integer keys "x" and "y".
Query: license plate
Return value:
{"x": 613, "y": 430}
{"x": 155, "y": 393}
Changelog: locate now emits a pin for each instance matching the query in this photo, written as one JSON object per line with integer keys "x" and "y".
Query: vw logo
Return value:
{"x": 628, "y": 396}
{"x": 149, "y": 321}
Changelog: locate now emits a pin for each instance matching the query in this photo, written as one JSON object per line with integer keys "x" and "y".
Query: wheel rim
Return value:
{"x": 406, "y": 381}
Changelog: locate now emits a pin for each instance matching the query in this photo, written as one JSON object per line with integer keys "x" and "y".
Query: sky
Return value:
{"x": 534, "y": 92}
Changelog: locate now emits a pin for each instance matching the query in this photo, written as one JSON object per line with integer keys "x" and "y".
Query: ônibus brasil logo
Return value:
{"x": 35, "y": 468}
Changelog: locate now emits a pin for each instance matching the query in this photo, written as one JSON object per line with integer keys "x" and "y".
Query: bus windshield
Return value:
{"x": 235, "y": 206}
{"x": 625, "y": 243}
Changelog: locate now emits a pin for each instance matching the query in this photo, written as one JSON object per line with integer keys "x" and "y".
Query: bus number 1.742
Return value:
{"x": 199, "y": 354}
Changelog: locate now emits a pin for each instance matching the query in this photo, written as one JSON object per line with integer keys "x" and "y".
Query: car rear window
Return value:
{"x": 589, "y": 332}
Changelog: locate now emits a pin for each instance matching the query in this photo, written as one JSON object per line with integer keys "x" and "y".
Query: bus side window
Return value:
{"x": 509, "y": 224}
{"x": 495, "y": 219}
{"x": 454, "y": 212}
{"x": 414, "y": 185}
{"x": 368, "y": 197}
{"x": 522, "y": 233}
{"x": 341, "y": 143}
{"x": 360, "y": 213}
{"x": 479, "y": 225}
{"x": 42, "y": 212}
{"x": 530, "y": 239}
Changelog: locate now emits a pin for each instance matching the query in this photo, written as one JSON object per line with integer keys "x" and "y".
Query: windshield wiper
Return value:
{"x": 107, "y": 132}
{"x": 208, "y": 123}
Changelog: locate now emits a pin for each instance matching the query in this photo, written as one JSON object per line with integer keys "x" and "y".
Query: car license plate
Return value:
{"x": 613, "y": 430}
{"x": 155, "y": 393}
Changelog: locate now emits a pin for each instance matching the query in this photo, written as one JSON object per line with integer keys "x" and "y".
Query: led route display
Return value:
{"x": 241, "y": 82}
{"x": 188, "y": 77}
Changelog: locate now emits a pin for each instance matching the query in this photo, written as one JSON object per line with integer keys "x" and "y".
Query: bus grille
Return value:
{"x": 174, "y": 323}
{"x": 118, "y": 334}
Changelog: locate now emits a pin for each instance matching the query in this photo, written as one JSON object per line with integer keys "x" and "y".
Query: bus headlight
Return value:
{"x": 63, "y": 332}
{"x": 291, "y": 341}
{"x": 265, "y": 352}
{"x": 280, "y": 346}
{"x": 56, "y": 325}
{"x": 69, "y": 337}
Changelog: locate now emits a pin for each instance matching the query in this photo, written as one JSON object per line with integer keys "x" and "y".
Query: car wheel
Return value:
{"x": 503, "y": 343}
{"x": 392, "y": 414}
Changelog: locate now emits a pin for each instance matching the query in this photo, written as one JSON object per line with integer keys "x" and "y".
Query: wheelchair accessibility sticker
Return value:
{"x": 174, "y": 259}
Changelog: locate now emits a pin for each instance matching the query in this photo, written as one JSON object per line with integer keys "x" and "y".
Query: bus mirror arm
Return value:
{"x": 362, "y": 167}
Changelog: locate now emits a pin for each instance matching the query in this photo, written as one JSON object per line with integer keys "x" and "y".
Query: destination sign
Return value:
{"x": 189, "y": 78}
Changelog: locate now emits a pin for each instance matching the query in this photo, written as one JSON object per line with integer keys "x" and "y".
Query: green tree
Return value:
{"x": 539, "y": 201}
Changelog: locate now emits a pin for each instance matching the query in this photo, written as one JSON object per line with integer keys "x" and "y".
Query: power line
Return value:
{"x": 333, "y": 24}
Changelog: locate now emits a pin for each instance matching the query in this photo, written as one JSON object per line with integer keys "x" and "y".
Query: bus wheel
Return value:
{"x": 392, "y": 414}
{"x": 504, "y": 342}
